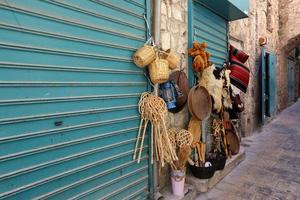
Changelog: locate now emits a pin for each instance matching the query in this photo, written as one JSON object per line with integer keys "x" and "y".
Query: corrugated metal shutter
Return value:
{"x": 291, "y": 81}
{"x": 263, "y": 84}
{"x": 271, "y": 84}
{"x": 210, "y": 28}
{"x": 68, "y": 104}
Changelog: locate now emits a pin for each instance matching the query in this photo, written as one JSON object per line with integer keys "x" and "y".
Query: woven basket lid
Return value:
{"x": 233, "y": 141}
{"x": 190, "y": 102}
{"x": 231, "y": 136}
{"x": 180, "y": 79}
{"x": 199, "y": 102}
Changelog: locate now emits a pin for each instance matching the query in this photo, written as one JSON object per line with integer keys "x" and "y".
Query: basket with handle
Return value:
{"x": 144, "y": 55}
{"x": 173, "y": 59}
{"x": 159, "y": 70}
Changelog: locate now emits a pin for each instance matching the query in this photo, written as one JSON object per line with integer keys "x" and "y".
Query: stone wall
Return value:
{"x": 174, "y": 36}
{"x": 262, "y": 22}
{"x": 289, "y": 37}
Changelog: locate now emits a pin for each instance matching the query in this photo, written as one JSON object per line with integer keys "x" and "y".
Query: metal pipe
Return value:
{"x": 156, "y": 31}
{"x": 156, "y": 22}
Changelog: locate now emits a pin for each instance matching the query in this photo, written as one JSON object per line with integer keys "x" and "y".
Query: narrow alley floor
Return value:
{"x": 271, "y": 169}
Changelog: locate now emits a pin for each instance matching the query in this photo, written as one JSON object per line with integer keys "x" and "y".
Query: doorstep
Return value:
{"x": 203, "y": 185}
{"x": 190, "y": 193}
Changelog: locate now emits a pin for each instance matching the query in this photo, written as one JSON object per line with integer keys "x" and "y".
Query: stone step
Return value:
{"x": 203, "y": 185}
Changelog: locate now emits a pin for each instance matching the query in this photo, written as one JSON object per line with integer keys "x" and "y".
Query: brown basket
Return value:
{"x": 173, "y": 59}
{"x": 144, "y": 56}
{"x": 159, "y": 71}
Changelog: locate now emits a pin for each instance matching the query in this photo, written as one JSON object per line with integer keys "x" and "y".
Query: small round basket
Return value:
{"x": 173, "y": 59}
{"x": 159, "y": 70}
{"x": 144, "y": 56}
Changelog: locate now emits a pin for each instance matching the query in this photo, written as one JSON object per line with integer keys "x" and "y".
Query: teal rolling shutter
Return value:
{"x": 291, "y": 80}
{"x": 263, "y": 84}
{"x": 68, "y": 99}
{"x": 271, "y": 78}
{"x": 210, "y": 28}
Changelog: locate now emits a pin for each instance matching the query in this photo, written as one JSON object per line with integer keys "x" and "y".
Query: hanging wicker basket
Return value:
{"x": 173, "y": 59}
{"x": 144, "y": 56}
{"x": 159, "y": 70}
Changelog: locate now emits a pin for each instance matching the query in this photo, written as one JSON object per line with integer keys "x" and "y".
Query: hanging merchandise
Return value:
{"x": 173, "y": 59}
{"x": 237, "y": 104}
{"x": 213, "y": 86}
{"x": 200, "y": 106}
{"x": 144, "y": 55}
{"x": 154, "y": 110}
{"x": 199, "y": 102}
{"x": 238, "y": 54}
{"x": 200, "y": 56}
{"x": 233, "y": 143}
{"x": 147, "y": 53}
{"x": 159, "y": 70}
{"x": 194, "y": 128}
{"x": 168, "y": 93}
{"x": 181, "y": 84}
{"x": 227, "y": 102}
{"x": 240, "y": 74}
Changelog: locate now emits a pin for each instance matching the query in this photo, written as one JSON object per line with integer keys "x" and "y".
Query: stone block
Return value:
{"x": 163, "y": 8}
{"x": 184, "y": 5}
{"x": 165, "y": 40}
{"x": 177, "y": 13}
{"x": 174, "y": 27}
{"x": 175, "y": 1}
{"x": 182, "y": 29}
{"x": 163, "y": 23}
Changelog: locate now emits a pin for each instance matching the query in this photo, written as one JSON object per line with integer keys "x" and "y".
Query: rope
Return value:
{"x": 148, "y": 30}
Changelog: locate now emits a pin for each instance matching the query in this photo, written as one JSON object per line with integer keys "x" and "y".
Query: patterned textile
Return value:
{"x": 240, "y": 74}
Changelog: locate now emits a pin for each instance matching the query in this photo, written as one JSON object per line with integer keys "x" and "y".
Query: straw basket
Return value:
{"x": 159, "y": 71}
{"x": 173, "y": 59}
{"x": 144, "y": 56}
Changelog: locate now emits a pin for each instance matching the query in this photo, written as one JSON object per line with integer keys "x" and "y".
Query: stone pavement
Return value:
{"x": 271, "y": 169}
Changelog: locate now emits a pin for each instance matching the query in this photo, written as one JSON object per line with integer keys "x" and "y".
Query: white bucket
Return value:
{"x": 177, "y": 180}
